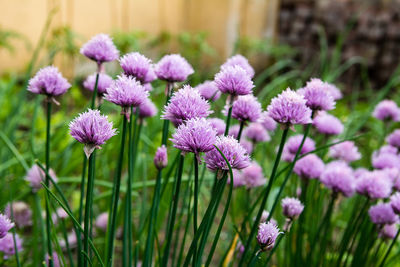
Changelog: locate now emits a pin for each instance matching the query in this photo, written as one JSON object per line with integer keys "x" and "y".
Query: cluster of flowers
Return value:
{"x": 189, "y": 109}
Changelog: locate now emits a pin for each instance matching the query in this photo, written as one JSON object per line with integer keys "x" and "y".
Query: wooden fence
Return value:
{"x": 223, "y": 20}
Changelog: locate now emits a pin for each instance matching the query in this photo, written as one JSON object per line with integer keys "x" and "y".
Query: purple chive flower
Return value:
{"x": 126, "y": 92}
{"x": 388, "y": 231}
{"x": 236, "y": 155}
{"x": 346, "y": 151}
{"x": 256, "y": 133}
{"x": 7, "y": 245}
{"x": 253, "y": 175}
{"x": 359, "y": 172}
{"x": 150, "y": 77}
{"x": 100, "y": 49}
{"x": 59, "y": 214}
{"x": 72, "y": 241}
{"x": 36, "y": 175}
{"x": 382, "y": 213}
{"x": 234, "y": 80}
{"x": 289, "y": 108}
{"x": 148, "y": 87}
{"x": 328, "y": 124}
{"x": 234, "y": 130}
{"x": 267, "y": 234}
{"x": 91, "y": 129}
{"x": 238, "y": 180}
{"x": 292, "y": 207}
{"x": 48, "y": 81}
{"x": 334, "y": 91}
{"x": 218, "y": 125}
{"x": 173, "y": 68}
{"x": 5, "y": 225}
{"x": 267, "y": 122}
{"x": 136, "y": 65}
{"x": 209, "y": 90}
{"x": 309, "y": 167}
{"x": 293, "y": 144}
{"x": 383, "y": 159}
{"x": 161, "y": 157}
{"x": 264, "y": 218}
{"x": 55, "y": 258}
{"x": 387, "y": 110}
{"x": 184, "y": 105}
{"x": 102, "y": 221}
{"x": 241, "y": 61}
{"x": 247, "y": 145}
{"x": 394, "y": 139}
{"x": 395, "y": 202}
{"x": 318, "y": 98}
{"x": 195, "y": 136}
{"x": 246, "y": 108}
{"x": 374, "y": 185}
{"x": 103, "y": 83}
{"x": 147, "y": 109}
{"x": 22, "y": 214}
{"x": 338, "y": 177}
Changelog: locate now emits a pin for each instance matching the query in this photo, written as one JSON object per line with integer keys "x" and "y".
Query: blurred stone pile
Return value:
{"x": 374, "y": 32}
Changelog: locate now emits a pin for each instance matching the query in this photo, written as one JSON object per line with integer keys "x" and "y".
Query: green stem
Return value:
{"x": 351, "y": 230}
{"x": 300, "y": 229}
{"x": 175, "y": 199}
{"x": 221, "y": 224}
{"x": 114, "y": 199}
{"x": 324, "y": 225}
{"x": 390, "y": 249}
{"x": 240, "y": 131}
{"x": 148, "y": 255}
{"x": 204, "y": 223}
{"x": 290, "y": 171}
{"x": 278, "y": 241}
{"x": 228, "y": 118}
{"x": 93, "y": 104}
{"x": 254, "y": 259}
{"x": 196, "y": 201}
{"x": 166, "y": 122}
{"x": 47, "y": 182}
{"x": 264, "y": 200}
{"x": 83, "y": 181}
{"x": 14, "y": 233}
{"x": 180, "y": 257}
{"x": 127, "y": 238}
{"x": 88, "y": 206}
{"x": 39, "y": 229}
{"x": 74, "y": 220}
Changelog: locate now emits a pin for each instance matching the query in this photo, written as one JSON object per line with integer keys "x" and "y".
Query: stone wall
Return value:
{"x": 374, "y": 31}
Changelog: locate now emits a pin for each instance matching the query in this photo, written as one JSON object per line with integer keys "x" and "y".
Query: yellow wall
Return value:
{"x": 224, "y": 20}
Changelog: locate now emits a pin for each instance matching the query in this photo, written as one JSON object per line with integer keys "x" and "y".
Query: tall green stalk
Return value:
{"x": 264, "y": 200}
{"x": 39, "y": 228}
{"x": 241, "y": 127}
{"x": 93, "y": 103}
{"x": 324, "y": 226}
{"x": 114, "y": 199}
{"x": 174, "y": 199}
{"x": 88, "y": 206}
{"x": 228, "y": 118}
{"x": 47, "y": 182}
{"x": 148, "y": 255}
{"x": 290, "y": 171}
{"x": 127, "y": 238}
{"x": 196, "y": 200}
{"x": 83, "y": 180}
{"x": 390, "y": 249}
{"x": 215, "y": 198}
